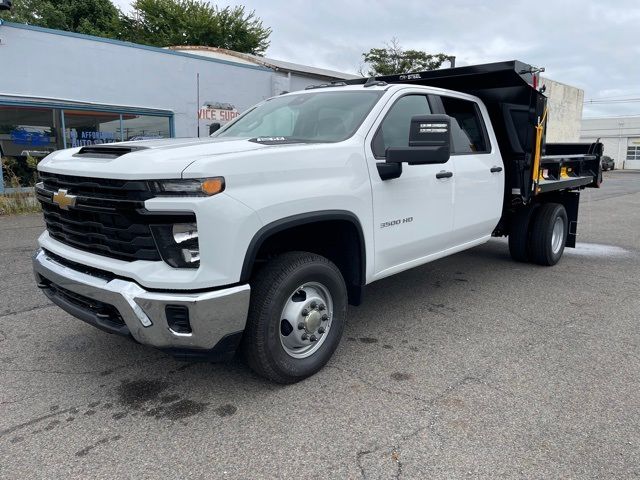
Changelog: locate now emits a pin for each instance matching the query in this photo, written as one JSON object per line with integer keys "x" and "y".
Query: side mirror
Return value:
{"x": 429, "y": 142}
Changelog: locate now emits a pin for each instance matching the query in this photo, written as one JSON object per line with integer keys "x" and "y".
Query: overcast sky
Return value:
{"x": 591, "y": 44}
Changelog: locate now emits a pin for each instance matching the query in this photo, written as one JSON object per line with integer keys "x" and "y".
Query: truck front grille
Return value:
{"x": 108, "y": 217}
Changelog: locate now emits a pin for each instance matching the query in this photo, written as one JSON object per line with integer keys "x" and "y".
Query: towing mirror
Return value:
{"x": 429, "y": 142}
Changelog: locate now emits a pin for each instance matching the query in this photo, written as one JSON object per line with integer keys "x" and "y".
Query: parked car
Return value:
{"x": 608, "y": 163}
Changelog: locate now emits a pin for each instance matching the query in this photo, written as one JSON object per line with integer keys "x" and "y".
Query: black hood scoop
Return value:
{"x": 107, "y": 151}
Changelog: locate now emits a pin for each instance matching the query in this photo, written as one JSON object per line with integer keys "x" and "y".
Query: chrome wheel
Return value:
{"x": 557, "y": 235}
{"x": 305, "y": 320}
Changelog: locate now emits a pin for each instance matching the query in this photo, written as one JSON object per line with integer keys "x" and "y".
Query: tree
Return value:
{"x": 394, "y": 59}
{"x": 159, "y": 23}
{"x": 194, "y": 22}
{"x": 92, "y": 17}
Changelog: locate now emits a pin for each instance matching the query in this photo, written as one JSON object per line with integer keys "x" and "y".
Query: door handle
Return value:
{"x": 496, "y": 169}
{"x": 444, "y": 174}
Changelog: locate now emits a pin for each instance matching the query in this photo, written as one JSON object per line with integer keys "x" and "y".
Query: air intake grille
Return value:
{"x": 108, "y": 217}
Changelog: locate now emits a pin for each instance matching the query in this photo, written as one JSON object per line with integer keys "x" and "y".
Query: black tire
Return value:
{"x": 542, "y": 227}
{"x": 519, "y": 235}
{"x": 270, "y": 290}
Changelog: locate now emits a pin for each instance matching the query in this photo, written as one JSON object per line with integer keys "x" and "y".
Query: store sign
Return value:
{"x": 84, "y": 138}
{"x": 218, "y": 112}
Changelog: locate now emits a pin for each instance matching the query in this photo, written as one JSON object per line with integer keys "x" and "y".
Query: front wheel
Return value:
{"x": 549, "y": 234}
{"x": 296, "y": 317}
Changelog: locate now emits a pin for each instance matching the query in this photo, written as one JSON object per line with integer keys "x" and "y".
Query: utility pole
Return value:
{"x": 198, "y": 101}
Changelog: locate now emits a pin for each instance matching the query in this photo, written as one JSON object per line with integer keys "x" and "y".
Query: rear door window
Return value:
{"x": 468, "y": 133}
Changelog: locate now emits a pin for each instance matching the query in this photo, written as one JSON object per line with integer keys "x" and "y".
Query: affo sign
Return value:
{"x": 217, "y": 112}
{"x": 84, "y": 138}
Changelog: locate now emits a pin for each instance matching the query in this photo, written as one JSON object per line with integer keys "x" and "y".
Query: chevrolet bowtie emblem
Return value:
{"x": 63, "y": 199}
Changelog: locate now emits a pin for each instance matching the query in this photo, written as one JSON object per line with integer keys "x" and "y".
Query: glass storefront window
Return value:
{"x": 28, "y": 131}
{"x": 145, "y": 127}
{"x": 82, "y": 128}
{"x": 27, "y": 134}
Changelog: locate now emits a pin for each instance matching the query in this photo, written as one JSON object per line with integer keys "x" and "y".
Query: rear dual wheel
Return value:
{"x": 539, "y": 235}
{"x": 519, "y": 235}
{"x": 549, "y": 234}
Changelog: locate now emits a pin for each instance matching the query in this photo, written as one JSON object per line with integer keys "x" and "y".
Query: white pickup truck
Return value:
{"x": 259, "y": 237}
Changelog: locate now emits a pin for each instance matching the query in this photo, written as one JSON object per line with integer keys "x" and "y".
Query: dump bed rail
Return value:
{"x": 568, "y": 166}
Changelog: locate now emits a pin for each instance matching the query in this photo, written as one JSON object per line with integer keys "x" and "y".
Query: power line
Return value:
{"x": 602, "y": 102}
{"x": 616, "y": 96}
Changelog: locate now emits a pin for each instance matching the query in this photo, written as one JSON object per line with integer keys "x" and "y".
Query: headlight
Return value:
{"x": 188, "y": 187}
{"x": 178, "y": 244}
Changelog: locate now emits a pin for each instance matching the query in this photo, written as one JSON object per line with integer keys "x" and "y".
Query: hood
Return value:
{"x": 146, "y": 159}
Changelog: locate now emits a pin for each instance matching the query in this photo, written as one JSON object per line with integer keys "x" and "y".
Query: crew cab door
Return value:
{"x": 479, "y": 185}
{"x": 413, "y": 214}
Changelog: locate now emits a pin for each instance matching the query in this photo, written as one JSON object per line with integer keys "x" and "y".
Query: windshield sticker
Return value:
{"x": 275, "y": 140}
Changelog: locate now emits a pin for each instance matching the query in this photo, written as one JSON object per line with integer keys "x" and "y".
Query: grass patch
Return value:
{"x": 18, "y": 203}
{"x": 20, "y": 200}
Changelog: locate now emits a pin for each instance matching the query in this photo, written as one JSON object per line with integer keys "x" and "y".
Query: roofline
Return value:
{"x": 9, "y": 99}
{"x": 264, "y": 61}
{"x": 121, "y": 43}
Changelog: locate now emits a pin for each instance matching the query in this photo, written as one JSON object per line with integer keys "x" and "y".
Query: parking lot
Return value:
{"x": 471, "y": 366}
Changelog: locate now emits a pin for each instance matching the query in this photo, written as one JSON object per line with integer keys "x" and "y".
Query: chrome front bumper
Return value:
{"x": 214, "y": 315}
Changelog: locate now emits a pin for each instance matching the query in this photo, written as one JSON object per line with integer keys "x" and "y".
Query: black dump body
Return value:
{"x": 516, "y": 107}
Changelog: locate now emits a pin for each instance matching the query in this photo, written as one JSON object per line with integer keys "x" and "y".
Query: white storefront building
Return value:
{"x": 620, "y": 136}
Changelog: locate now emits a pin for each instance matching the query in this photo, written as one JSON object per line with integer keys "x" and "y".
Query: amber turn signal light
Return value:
{"x": 211, "y": 186}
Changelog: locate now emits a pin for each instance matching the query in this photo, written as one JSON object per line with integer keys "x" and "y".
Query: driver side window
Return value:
{"x": 394, "y": 129}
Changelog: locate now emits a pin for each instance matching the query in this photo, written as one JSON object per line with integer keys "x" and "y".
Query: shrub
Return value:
{"x": 19, "y": 200}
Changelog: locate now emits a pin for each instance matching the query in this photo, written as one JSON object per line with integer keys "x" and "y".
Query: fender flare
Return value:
{"x": 295, "y": 221}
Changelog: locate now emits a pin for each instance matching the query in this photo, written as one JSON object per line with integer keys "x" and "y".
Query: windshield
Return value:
{"x": 308, "y": 117}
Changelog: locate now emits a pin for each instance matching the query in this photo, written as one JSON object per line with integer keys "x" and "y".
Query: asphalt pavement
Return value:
{"x": 469, "y": 367}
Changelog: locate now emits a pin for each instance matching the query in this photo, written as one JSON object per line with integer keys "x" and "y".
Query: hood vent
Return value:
{"x": 106, "y": 151}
